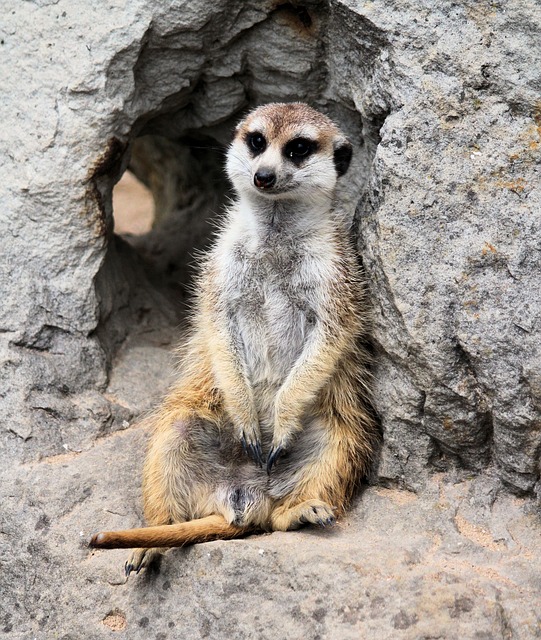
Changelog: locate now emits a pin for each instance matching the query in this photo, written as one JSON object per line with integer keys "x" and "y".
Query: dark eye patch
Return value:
{"x": 299, "y": 149}
{"x": 256, "y": 143}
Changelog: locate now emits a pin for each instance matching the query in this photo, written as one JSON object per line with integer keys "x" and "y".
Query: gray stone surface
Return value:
{"x": 451, "y": 239}
{"x": 456, "y": 562}
{"x": 442, "y": 103}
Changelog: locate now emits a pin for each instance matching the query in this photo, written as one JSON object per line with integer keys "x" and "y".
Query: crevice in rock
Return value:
{"x": 443, "y": 458}
{"x": 422, "y": 403}
{"x": 46, "y": 339}
{"x": 299, "y": 13}
{"x": 481, "y": 454}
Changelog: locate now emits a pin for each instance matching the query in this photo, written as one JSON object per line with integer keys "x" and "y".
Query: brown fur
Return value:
{"x": 285, "y": 123}
{"x": 195, "y": 456}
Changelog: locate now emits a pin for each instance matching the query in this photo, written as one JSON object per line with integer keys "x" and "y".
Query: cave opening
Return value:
{"x": 133, "y": 206}
{"x": 167, "y": 203}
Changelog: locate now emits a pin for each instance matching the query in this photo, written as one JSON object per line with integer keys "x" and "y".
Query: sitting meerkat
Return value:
{"x": 268, "y": 426}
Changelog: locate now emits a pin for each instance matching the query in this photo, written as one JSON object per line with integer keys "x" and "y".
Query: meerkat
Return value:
{"x": 268, "y": 427}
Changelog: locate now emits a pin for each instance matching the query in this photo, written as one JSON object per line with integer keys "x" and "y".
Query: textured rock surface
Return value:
{"x": 451, "y": 239}
{"x": 448, "y": 208}
{"x": 455, "y": 563}
{"x": 442, "y": 103}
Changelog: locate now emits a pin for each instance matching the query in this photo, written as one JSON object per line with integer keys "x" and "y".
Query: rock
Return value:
{"x": 441, "y": 103}
{"x": 448, "y": 236}
{"x": 457, "y": 561}
{"x": 444, "y": 117}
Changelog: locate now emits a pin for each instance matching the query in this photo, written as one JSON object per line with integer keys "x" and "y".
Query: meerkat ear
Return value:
{"x": 342, "y": 155}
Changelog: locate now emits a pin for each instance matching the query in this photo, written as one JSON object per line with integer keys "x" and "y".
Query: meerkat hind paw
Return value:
{"x": 318, "y": 513}
{"x": 140, "y": 559}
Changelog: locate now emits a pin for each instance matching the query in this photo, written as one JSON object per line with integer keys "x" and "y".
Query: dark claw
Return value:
{"x": 243, "y": 443}
{"x": 259, "y": 455}
{"x": 128, "y": 568}
{"x": 252, "y": 450}
{"x": 274, "y": 454}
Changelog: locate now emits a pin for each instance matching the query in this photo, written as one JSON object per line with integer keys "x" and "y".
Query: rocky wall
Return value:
{"x": 442, "y": 106}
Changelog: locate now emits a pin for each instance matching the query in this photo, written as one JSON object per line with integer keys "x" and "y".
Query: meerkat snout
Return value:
{"x": 264, "y": 179}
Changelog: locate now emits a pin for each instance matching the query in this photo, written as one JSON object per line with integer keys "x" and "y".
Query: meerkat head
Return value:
{"x": 287, "y": 151}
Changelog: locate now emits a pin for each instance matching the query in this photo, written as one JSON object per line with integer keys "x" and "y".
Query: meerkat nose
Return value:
{"x": 264, "y": 179}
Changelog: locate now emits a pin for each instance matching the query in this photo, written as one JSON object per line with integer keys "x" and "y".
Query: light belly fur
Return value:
{"x": 271, "y": 336}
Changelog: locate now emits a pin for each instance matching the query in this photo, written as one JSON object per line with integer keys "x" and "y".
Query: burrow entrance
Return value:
{"x": 169, "y": 201}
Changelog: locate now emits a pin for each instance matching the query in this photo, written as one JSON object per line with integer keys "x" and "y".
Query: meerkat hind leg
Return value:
{"x": 286, "y": 518}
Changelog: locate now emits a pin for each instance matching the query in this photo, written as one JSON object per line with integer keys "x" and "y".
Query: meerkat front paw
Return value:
{"x": 281, "y": 442}
{"x": 279, "y": 446}
{"x": 274, "y": 454}
{"x": 250, "y": 439}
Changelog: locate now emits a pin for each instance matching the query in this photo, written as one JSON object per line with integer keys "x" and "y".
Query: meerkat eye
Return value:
{"x": 299, "y": 148}
{"x": 256, "y": 142}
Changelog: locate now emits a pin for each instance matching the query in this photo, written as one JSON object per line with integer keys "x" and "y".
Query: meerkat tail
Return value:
{"x": 169, "y": 535}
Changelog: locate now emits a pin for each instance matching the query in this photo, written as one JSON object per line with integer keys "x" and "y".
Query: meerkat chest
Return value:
{"x": 273, "y": 300}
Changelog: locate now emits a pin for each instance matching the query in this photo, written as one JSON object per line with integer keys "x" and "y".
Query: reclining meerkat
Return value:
{"x": 268, "y": 426}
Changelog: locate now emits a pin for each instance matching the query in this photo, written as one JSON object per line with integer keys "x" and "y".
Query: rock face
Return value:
{"x": 442, "y": 104}
{"x": 450, "y": 229}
